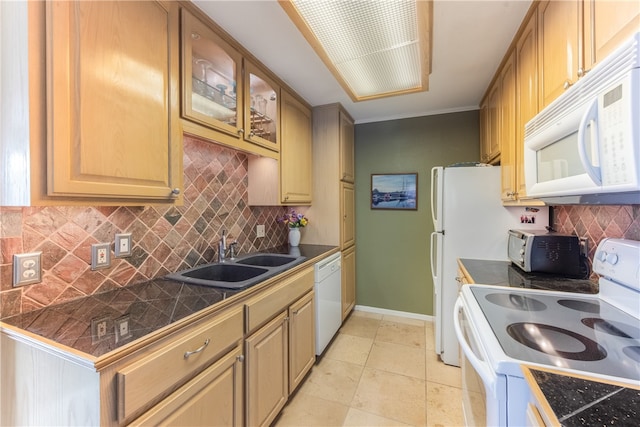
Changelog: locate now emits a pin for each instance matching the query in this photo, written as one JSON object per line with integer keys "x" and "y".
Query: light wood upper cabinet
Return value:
{"x": 526, "y": 52}
{"x": 332, "y": 132}
{"x": 112, "y": 99}
{"x": 490, "y": 118}
{"x": 608, "y": 24}
{"x": 296, "y": 170}
{"x": 211, "y": 68}
{"x": 485, "y": 135}
{"x": 507, "y": 138}
{"x": 289, "y": 180}
{"x": 560, "y": 49}
{"x": 226, "y": 96}
{"x": 261, "y": 108}
{"x": 347, "y": 156}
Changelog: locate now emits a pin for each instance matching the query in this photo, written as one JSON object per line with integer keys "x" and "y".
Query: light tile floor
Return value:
{"x": 378, "y": 371}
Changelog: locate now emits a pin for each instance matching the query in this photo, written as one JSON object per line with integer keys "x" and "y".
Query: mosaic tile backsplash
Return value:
{"x": 597, "y": 222}
{"x": 165, "y": 239}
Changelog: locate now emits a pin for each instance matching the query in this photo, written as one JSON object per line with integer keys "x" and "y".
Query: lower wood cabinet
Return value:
{"x": 348, "y": 280}
{"x": 215, "y": 397}
{"x": 145, "y": 380}
{"x": 302, "y": 343}
{"x": 279, "y": 355}
{"x": 267, "y": 366}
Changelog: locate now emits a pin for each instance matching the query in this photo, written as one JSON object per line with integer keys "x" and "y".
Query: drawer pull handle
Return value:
{"x": 197, "y": 350}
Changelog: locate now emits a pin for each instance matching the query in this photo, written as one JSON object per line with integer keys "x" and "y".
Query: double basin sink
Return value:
{"x": 238, "y": 273}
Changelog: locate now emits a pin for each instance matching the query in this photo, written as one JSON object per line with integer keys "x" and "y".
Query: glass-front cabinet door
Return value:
{"x": 211, "y": 93}
{"x": 262, "y": 108}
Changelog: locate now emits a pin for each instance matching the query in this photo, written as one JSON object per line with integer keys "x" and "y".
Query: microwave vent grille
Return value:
{"x": 610, "y": 70}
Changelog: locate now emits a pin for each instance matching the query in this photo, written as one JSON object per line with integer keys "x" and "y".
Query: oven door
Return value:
{"x": 483, "y": 391}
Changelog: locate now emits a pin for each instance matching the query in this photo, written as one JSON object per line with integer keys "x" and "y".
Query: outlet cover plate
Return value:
{"x": 260, "y": 230}
{"x": 123, "y": 328}
{"x": 123, "y": 245}
{"x": 100, "y": 256}
{"x": 27, "y": 268}
{"x": 99, "y": 329}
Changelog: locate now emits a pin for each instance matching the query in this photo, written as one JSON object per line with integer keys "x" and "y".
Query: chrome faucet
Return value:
{"x": 222, "y": 248}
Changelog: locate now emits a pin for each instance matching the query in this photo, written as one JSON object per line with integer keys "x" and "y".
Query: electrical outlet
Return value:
{"x": 99, "y": 328}
{"x": 27, "y": 268}
{"x": 260, "y": 230}
{"x": 123, "y": 328}
{"x": 100, "y": 256}
{"x": 123, "y": 245}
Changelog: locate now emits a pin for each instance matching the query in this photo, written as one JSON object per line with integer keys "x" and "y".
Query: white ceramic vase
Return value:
{"x": 294, "y": 236}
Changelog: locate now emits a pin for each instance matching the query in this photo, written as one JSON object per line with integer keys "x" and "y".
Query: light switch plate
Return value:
{"x": 27, "y": 268}
{"x": 123, "y": 245}
{"x": 100, "y": 255}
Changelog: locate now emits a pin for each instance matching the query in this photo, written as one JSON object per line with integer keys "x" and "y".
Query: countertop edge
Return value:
{"x": 547, "y": 411}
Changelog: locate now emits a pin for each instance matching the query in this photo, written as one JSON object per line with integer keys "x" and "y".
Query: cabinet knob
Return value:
{"x": 240, "y": 358}
{"x": 240, "y": 131}
{"x": 175, "y": 192}
{"x": 567, "y": 84}
{"x": 580, "y": 72}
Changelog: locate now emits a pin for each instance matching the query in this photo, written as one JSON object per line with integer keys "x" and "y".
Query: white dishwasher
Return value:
{"x": 328, "y": 297}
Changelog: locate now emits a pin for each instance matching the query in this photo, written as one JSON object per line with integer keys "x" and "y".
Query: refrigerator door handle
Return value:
{"x": 434, "y": 250}
{"x": 436, "y": 196}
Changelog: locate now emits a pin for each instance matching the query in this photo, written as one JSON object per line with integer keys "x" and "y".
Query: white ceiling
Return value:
{"x": 469, "y": 39}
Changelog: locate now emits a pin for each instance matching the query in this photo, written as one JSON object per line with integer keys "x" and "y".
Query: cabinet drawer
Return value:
{"x": 263, "y": 307}
{"x": 143, "y": 381}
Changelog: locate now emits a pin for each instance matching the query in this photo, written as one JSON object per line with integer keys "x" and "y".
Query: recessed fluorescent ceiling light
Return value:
{"x": 375, "y": 48}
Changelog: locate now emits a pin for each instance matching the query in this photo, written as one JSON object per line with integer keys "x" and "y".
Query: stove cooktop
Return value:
{"x": 568, "y": 331}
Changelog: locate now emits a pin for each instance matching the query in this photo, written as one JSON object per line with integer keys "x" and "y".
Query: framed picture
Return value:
{"x": 394, "y": 191}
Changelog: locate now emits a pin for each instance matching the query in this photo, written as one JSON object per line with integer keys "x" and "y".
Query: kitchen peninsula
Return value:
{"x": 177, "y": 339}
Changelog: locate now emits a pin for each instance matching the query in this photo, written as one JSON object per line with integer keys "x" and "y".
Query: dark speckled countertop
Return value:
{"x": 150, "y": 306}
{"x": 583, "y": 402}
{"x": 504, "y": 273}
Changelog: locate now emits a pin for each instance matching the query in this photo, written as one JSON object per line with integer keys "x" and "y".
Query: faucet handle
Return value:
{"x": 232, "y": 249}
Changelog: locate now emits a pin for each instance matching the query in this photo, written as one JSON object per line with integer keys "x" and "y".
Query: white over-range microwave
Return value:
{"x": 584, "y": 147}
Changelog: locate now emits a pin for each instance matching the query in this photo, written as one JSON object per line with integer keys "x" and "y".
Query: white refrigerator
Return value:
{"x": 469, "y": 222}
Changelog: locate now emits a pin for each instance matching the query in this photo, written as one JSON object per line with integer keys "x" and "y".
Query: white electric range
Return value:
{"x": 499, "y": 328}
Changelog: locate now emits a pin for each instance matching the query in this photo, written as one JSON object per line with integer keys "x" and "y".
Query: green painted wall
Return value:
{"x": 392, "y": 257}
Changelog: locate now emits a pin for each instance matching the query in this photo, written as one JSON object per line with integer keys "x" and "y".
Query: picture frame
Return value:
{"x": 394, "y": 191}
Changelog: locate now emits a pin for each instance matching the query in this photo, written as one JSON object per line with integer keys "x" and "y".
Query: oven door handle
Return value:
{"x": 481, "y": 367}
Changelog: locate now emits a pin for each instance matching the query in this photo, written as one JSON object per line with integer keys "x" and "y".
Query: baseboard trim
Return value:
{"x": 388, "y": 312}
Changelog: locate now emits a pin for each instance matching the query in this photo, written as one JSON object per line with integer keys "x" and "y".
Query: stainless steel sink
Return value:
{"x": 240, "y": 273}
